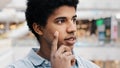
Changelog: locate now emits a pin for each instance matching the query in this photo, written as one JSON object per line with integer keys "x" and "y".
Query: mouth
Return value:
{"x": 70, "y": 40}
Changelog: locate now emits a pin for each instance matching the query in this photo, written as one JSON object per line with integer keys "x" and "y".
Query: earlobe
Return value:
{"x": 37, "y": 28}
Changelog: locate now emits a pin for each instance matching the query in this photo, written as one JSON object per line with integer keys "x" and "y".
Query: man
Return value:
{"x": 53, "y": 22}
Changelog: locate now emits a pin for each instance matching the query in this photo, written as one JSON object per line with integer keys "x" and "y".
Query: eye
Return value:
{"x": 60, "y": 21}
{"x": 74, "y": 20}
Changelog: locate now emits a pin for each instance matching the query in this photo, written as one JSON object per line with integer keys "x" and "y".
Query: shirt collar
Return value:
{"x": 35, "y": 58}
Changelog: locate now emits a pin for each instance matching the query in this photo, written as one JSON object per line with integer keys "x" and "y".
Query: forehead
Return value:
{"x": 64, "y": 11}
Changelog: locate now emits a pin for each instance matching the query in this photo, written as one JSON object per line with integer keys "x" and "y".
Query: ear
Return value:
{"x": 37, "y": 28}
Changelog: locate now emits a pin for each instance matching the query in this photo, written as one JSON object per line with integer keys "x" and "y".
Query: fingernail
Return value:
{"x": 56, "y": 33}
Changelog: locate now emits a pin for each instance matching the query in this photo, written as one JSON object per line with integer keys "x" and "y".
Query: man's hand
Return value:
{"x": 61, "y": 57}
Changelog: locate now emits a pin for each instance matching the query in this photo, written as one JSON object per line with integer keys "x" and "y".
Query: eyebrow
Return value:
{"x": 60, "y": 18}
{"x": 65, "y": 17}
{"x": 74, "y": 16}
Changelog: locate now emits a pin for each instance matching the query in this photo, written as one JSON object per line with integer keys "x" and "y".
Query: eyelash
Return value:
{"x": 60, "y": 21}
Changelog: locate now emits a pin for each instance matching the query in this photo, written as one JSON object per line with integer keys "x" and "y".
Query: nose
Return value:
{"x": 71, "y": 27}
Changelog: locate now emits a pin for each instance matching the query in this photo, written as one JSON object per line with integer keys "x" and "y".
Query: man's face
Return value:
{"x": 62, "y": 20}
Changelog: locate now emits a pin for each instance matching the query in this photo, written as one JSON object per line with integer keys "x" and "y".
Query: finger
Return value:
{"x": 67, "y": 54}
{"x": 72, "y": 59}
{"x": 55, "y": 42}
{"x": 73, "y": 62}
{"x": 63, "y": 49}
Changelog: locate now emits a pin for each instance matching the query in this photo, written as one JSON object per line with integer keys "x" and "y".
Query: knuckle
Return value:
{"x": 66, "y": 58}
{"x": 55, "y": 55}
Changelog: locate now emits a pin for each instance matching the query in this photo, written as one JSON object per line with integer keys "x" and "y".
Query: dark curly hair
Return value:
{"x": 38, "y": 11}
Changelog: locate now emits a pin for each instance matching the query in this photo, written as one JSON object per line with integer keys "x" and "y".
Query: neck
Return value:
{"x": 44, "y": 51}
{"x": 44, "y": 54}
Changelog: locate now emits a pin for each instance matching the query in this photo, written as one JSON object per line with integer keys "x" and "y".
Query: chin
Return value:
{"x": 71, "y": 46}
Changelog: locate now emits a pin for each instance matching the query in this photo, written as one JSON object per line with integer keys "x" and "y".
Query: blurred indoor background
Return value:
{"x": 98, "y": 32}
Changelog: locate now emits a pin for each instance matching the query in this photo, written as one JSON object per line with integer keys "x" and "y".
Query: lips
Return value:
{"x": 70, "y": 40}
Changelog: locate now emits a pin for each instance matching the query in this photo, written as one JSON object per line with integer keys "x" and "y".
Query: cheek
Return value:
{"x": 48, "y": 35}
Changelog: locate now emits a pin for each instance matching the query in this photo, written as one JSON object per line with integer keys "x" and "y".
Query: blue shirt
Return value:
{"x": 33, "y": 60}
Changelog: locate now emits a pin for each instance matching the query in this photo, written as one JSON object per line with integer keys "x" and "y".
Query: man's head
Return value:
{"x": 38, "y": 11}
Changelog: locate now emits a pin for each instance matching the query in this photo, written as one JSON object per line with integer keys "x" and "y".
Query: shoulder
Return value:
{"x": 23, "y": 63}
{"x": 85, "y": 63}
{"x": 26, "y": 62}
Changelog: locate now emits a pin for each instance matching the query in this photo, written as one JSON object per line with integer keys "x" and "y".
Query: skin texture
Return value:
{"x": 58, "y": 36}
